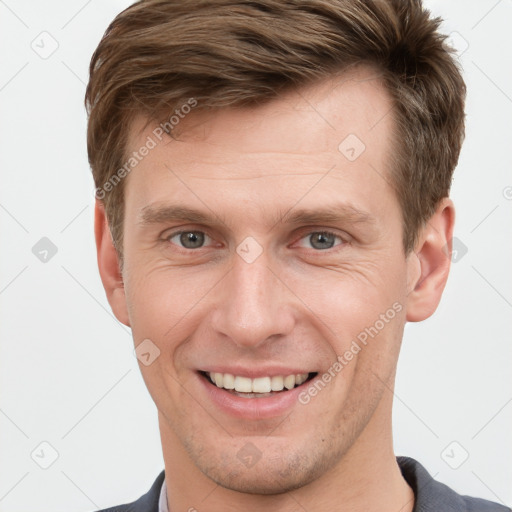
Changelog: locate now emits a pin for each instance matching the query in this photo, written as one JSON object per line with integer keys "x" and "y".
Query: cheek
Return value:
{"x": 359, "y": 310}
{"x": 349, "y": 297}
{"x": 160, "y": 297}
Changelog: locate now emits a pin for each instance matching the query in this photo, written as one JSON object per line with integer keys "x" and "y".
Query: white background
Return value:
{"x": 68, "y": 375}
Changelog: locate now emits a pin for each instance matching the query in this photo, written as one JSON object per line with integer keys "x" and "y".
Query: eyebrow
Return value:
{"x": 160, "y": 214}
{"x": 339, "y": 212}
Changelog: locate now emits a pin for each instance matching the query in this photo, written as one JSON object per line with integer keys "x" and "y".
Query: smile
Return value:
{"x": 259, "y": 387}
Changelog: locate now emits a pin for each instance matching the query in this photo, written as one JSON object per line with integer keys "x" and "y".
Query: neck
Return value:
{"x": 366, "y": 479}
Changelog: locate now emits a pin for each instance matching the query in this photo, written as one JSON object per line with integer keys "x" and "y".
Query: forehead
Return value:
{"x": 338, "y": 131}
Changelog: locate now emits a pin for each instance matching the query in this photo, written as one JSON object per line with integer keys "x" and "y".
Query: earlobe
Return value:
{"x": 429, "y": 264}
{"x": 108, "y": 265}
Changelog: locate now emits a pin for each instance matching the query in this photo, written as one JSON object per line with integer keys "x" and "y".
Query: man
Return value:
{"x": 272, "y": 182}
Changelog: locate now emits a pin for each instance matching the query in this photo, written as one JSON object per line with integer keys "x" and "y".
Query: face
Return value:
{"x": 263, "y": 251}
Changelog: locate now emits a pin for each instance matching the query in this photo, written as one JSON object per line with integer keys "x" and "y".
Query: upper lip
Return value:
{"x": 254, "y": 373}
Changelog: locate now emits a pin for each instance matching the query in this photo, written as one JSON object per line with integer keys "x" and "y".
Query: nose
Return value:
{"x": 254, "y": 306}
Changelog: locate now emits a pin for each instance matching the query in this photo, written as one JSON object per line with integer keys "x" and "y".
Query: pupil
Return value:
{"x": 192, "y": 239}
{"x": 322, "y": 240}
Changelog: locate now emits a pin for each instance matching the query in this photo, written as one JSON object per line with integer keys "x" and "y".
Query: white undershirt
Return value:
{"x": 162, "y": 502}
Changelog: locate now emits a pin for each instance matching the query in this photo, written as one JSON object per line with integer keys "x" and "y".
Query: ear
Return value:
{"x": 108, "y": 264}
{"x": 429, "y": 263}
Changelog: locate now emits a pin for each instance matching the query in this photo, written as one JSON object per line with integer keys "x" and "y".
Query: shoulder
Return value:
{"x": 432, "y": 495}
{"x": 146, "y": 503}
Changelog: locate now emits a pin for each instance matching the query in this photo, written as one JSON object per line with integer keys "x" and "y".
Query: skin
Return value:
{"x": 249, "y": 170}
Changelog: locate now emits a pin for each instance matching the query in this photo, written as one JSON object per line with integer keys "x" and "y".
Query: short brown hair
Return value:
{"x": 157, "y": 54}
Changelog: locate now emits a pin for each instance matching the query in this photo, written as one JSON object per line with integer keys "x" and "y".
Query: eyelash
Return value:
{"x": 324, "y": 232}
{"x": 342, "y": 240}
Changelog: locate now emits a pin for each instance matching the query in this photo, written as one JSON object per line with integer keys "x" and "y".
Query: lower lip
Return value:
{"x": 252, "y": 408}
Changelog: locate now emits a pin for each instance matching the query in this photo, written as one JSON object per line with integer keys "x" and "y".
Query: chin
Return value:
{"x": 263, "y": 481}
{"x": 277, "y": 474}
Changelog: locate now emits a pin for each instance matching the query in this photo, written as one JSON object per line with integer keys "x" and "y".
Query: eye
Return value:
{"x": 189, "y": 239}
{"x": 321, "y": 240}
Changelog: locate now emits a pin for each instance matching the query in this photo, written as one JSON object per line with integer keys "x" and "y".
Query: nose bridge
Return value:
{"x": 252, "y": 307}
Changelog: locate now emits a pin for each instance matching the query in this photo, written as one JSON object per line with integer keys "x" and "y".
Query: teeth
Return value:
{"x": 219, "y": 379}
{"x": 277, "y": 383}
{"x": 229, "y": 381}
{"x": 300, "y": 378}
{"x": 289, "y": 382}
{"x": 243, "y": 384}
{"x": 261, "y": 385}
{"x": 258, "y": 385}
